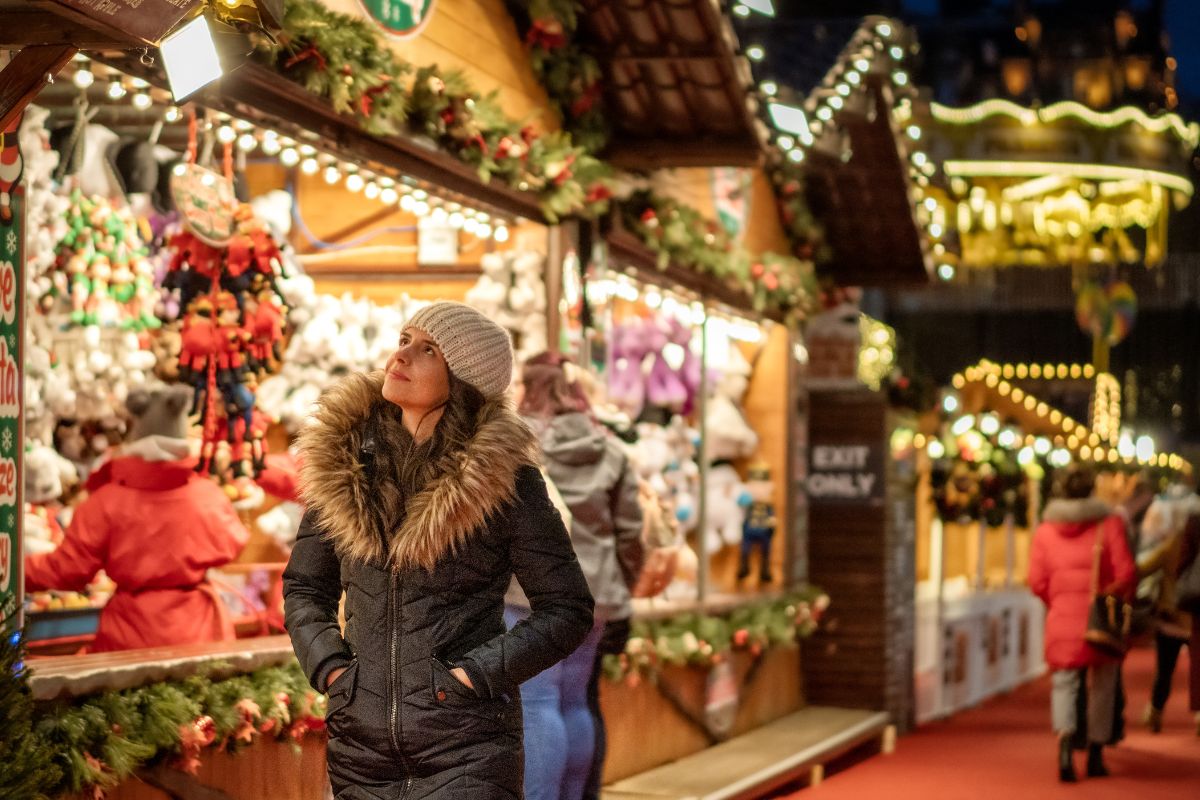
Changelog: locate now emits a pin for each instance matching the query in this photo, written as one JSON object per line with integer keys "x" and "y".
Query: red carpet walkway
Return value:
{"x": 1004, "y": 750}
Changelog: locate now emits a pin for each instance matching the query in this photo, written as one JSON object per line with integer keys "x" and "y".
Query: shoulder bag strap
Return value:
{"x": 1097, "y": 553}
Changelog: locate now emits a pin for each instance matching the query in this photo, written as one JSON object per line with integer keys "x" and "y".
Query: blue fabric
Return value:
{"x": 560, "y": 731}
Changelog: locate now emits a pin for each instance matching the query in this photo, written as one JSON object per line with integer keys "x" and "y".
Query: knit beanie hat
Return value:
{"x": 477, "y": 350}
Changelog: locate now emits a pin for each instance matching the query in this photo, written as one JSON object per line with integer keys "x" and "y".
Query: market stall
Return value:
{"x": 306, "y": 204}
{"x": 983, "y": 465}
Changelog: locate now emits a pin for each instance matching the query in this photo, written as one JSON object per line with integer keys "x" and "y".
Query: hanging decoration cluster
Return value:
{"x": 99, "y": 741}
{"x": 1106, "y": 312}
{"x": 703, "y": 640}
{"x": 681, "y": 235}
{"x": 222, "y": 283}
{"x": 348, "y": 62}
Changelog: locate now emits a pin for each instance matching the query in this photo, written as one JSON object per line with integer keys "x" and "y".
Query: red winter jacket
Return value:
{"x": 155, "y": 527}
{"x": 1060, "y": 573}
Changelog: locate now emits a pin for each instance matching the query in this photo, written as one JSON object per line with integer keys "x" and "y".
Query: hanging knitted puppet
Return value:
{"x": 223, "y": 275}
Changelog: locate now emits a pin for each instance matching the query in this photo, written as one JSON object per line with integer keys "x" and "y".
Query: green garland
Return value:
{"x": 702, "y": 640}
{"x": 98, "y": 741}
{"x": 347, "y": 61}
{"x": 681, "y": 235}
{"x": 27, "y": 768}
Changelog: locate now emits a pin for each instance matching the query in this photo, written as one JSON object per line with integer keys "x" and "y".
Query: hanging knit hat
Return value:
{"x": 477, "y": 350}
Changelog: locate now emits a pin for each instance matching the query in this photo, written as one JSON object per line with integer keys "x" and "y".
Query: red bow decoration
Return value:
{"x": 547, "y": 34}
{"x": 304, "y": 55}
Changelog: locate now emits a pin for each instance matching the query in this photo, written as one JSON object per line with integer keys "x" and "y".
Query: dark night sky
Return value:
{"x": 1182, "y": 21}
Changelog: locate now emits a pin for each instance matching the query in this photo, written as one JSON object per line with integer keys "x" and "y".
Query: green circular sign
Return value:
{"x": 400, "y": 18}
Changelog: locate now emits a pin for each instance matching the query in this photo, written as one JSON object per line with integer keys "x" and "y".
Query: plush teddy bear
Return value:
{"x": 759, "y": 527}
{"x": 47, "y": 476}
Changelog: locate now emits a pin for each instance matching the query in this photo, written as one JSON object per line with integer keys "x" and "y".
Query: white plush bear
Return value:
{"x": 726, "y": 499}
{"x": 47, "y": 475}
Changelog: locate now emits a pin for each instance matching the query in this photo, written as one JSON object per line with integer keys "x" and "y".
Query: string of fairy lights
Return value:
{"x": 389, "y": 189}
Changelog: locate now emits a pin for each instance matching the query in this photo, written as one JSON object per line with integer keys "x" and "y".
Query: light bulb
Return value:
{"x": 484, "y": 231}
{"x": 116, "y": 89}
{"x": 420, "y": 194}
{"x": 226, "y": 134}
{"x": 289, "y": 157}
{"x": 741, "y": 10}
{"x": 836, "y": 103}
{"x": 843, "y": 89}
{"x": 83, "y": 78}
{"x": 439, "y": 215}
{"x": 247, "y": 142}
{"x": 307, "y": 150}
{"x": 142, "y": 101}
{"x": 457, "y": 219}
{"x": 471, "y": 226}
{"x": 355, "y": 182}
{"x": 421, "y": 209}
{"x": 501, "y": 234}
{"x": 332, "y": 174}
{"x": 407, "y": 203}
{"x": 769, "y": 88}
{"x": 271, "y": 145}
{"x": 173, "y": 114}
{"x": 796, "y": 156}
{"x": 372, "y": 190}
{"x": 755, "y": 53}
{"x": 389, "y": 196}
{"x": 309, "y": 166}
{"x": 785, "y": 142}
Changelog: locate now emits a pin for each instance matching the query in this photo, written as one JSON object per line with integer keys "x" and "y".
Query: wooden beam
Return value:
{"x": 652, "y": 154}
{"x": 358, "y": 225}
{"x": 29, "y": 71}
{"x": 28, "y": 26}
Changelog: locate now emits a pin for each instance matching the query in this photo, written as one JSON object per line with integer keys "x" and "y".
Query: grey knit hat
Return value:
{"x": 477, "y": 350}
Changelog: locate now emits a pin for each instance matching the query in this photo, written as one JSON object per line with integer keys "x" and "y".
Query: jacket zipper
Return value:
{"x": 394, "y": 731}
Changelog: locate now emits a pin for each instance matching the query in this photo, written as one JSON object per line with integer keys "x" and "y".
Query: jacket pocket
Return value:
{"x": 447, "y": 689}
{"x": 341, "y": 692}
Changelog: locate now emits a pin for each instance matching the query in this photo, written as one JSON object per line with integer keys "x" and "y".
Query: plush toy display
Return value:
{"x": 512, "y": 292}
{"x": 47, "y": 476}
{"x": 652, "y": 364}
{"x": 332, "y": 337}
{"x": 759, "y": 527}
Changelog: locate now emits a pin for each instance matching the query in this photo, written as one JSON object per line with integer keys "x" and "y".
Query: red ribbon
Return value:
{"x": 304, "y": 55}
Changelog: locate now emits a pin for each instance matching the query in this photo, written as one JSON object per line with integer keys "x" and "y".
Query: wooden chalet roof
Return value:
{"x": 678, "y": 93}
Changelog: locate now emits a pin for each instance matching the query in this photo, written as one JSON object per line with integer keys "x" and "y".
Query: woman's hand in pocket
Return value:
{"x": 461, "y": 675}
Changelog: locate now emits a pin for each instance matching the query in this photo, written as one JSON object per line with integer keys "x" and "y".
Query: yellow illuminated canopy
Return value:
{"x": 1057, "y": 186}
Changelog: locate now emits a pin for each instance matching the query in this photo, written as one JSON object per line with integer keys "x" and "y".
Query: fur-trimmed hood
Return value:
{"x": 470, "y": 485}
{"x": 1076, "y": 516}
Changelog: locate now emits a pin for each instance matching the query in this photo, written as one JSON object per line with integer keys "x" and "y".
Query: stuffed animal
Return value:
{"x": 47, "y": 476}
{"x": 759, "y": 526}
{"x": 726, "y": 499}
{"x": 728, "y": 435}
{"x": 512, "y": 291}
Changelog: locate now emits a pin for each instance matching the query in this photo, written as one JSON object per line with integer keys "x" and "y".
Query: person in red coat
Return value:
{"x": 1060, "y": 573}
{"x": 155, "y": 527}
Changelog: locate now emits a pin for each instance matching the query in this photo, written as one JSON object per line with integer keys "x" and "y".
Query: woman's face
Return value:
{"x": 416, "y": 377}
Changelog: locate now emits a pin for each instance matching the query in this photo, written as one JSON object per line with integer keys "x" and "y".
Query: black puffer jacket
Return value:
{"x": 425, "y": 593}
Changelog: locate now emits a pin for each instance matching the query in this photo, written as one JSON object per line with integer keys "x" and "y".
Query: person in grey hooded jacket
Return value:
{"x": 593, "y": 475}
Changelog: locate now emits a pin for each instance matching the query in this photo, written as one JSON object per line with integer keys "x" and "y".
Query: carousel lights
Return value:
{"x": 1188, "y": 133}
{"x": 946, "y": 272}
{"x": 959, "y": 381}
{"x": 1060, "y": 458}
{"x": 1042, "y": 446}
{"x": 989, "y": 424}
{"x": 1095, "y": 172}
{"x": 1007, "y": 438}
{"x": 950, "y": 403}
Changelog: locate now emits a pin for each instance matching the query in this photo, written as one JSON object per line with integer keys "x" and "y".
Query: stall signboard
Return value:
{"x": 142, "y": 20}
{"x": 400, "y": 18}
{"x": 12, "y": 248}
{"x": 846, "y": 473}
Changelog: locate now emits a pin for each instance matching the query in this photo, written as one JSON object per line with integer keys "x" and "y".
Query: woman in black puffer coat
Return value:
{"x": 422, "y": 502}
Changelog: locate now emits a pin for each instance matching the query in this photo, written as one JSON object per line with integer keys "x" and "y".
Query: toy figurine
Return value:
{"x": 759, "y": 527}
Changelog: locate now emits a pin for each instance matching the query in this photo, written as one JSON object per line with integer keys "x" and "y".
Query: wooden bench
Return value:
{"x": 754, "y": 763}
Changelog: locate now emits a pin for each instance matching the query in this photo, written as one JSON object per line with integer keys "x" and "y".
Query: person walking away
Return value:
{"x": 1132, "y": 511}
{"x": 1189, "y": 552}
{"x": 592, "y": 473}
{"x": 1161, "y": 565}
{"x": 423, "y": 499}
{"x": 1060, "y": 573}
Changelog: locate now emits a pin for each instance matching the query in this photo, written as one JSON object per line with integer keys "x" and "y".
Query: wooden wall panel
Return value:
{"x": 478, "y": 38}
